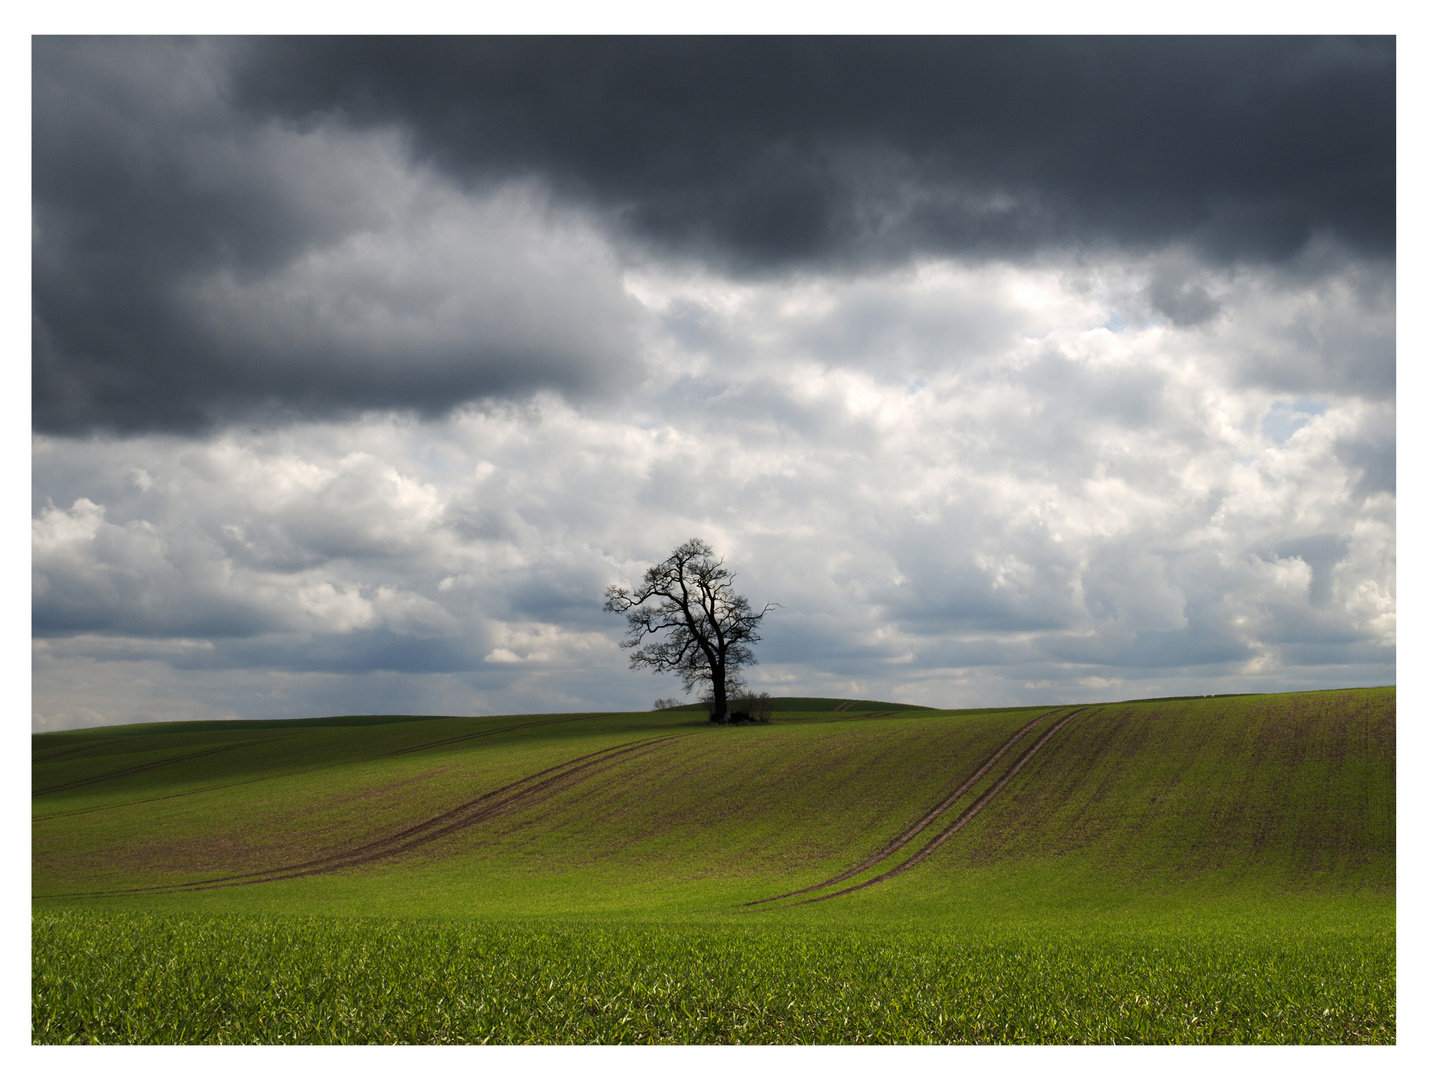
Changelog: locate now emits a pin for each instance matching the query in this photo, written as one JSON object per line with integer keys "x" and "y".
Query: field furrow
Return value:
{"x": 135, "y": 770}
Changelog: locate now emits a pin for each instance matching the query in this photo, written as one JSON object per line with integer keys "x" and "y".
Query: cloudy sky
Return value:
{"x": 1015, "y": 371}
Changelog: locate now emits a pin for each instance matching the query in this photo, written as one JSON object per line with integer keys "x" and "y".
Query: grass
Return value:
{"x": 1191, "y": 870}
{"x": 144, "y": 978}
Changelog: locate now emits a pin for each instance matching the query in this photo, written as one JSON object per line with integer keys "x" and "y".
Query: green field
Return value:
{"x": 1189, "y": 870}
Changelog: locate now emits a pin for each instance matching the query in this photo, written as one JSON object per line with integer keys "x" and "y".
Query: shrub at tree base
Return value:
{"x": 748, "y": 709}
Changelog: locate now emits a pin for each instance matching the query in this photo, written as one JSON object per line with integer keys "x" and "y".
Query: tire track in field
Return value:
{"x": 119, "y": 774}
{"x": 909, "y": 834}
{"x": 299, "y": 772}
{"x": 533, "y": 788}
{"x": 482, "y": 807}
{"x": 963, "y": 818}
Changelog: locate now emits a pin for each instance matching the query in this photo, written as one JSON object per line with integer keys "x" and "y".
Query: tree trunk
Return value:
{"x": 721, "y": 708}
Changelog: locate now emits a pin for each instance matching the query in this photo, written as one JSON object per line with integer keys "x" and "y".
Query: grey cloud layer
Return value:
{"x": 1015, "y": 370}
{"x": 1058, "y": 510}
{"x": 313, "y": 227}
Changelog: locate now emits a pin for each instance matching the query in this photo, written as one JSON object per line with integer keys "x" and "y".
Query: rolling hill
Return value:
{"x": 837, "y": 817}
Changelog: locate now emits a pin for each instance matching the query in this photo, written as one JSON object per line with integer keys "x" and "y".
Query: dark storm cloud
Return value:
{"x": 786, "y": 149}
{"x": 193, "y": 265}
{"x": 316, "y": 225}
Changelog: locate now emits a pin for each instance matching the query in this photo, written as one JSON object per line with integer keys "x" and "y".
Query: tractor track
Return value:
{"x": 512, "y": 796}
{"x": 963, "y": 818}
{"x": 909, "y": 834}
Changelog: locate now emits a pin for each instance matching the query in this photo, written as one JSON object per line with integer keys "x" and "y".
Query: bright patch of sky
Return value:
{"x": 1285, "y": 418}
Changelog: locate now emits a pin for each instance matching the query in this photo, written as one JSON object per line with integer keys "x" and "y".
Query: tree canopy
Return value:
{"x": 686, "y": 618}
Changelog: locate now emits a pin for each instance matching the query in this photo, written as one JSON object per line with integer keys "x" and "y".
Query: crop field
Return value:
{"x": 1179, "y": 871}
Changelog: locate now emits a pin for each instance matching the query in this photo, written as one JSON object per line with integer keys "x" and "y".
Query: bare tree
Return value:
{"x": 708, "y": 628}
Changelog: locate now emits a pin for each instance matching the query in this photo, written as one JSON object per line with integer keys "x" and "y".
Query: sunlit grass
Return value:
{"x": 137, "y": 978}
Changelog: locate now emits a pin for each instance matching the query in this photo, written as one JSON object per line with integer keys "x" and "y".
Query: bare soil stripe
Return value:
{"x": 443, "y": 821}
{"x": 392, "y": 846}
{"x": 908, "y": 834}
{"x": 476, "y": 811}
{"x": 966, "y": 816}
{"x": 365, "y": 853}
{"x": 450, "y": 819}
{"x": 135, "y": 770}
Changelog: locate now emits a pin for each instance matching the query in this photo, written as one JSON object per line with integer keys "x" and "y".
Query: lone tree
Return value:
{"x": 709, "y": 628}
